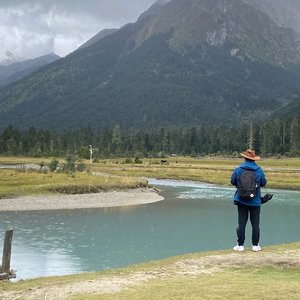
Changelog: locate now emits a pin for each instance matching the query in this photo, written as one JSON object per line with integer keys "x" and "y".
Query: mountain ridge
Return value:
{"x": 18, "y": 70}
{"x": 284, "y": 12}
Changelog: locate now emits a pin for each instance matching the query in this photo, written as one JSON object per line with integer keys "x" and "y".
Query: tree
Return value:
{"x": 193, "y": 140}
{"x": 147, "y": 142}
{"x": 267, "y": 138}
{"x": 105, "y": 140}
{"x": 166, "y": 143}
{"x": 83, "y": 152}
{"x": 256, "y": 138}
{"x": 12, "y": 147}
{"x": 116, "y": 137}
{"x": 295, "y": 134}
{"x": 174, "y": 142}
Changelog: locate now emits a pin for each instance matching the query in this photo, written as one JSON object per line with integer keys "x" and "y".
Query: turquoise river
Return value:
{"x": 192, "y": 218}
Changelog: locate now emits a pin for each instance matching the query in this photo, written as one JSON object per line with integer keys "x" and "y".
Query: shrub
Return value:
{"x": 235, "y": 154}
{"x": 138, "y": 161}
{"x": 53, "y": 165}
{"x": 161, "y": 154}
{"x": 81, "y": 167}
{"x": 193, "y": 154}
{"x": 69, "y": 168}
{"x": 294, "y": 153}
{"x": 128, "y": 161}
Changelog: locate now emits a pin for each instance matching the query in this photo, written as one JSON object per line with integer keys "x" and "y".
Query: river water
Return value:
{"x": 192, "y": 218}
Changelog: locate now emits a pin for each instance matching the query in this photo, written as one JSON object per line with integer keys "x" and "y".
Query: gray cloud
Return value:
{"x": 34, "y": 28}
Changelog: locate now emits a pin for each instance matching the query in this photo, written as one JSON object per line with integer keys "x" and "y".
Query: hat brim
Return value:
{"x": 251, "y": 158}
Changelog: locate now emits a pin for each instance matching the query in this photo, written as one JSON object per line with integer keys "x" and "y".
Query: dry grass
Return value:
{"x": 13, "y": 160}
{"x": 281, "y": 174}
{"x": 14, "y": 183}
{"x": 273, "y": 273}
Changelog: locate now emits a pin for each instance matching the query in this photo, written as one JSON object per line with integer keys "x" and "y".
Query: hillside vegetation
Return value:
{"x": 224, "y": 63}
{"x": 277, "y": 137}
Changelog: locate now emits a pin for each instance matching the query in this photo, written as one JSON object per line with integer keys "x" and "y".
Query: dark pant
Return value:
{"x": 243, "y": 213}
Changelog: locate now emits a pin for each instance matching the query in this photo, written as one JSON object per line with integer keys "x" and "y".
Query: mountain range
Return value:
{"x": 185, "y": 62}
{"x": 12, "y": 71}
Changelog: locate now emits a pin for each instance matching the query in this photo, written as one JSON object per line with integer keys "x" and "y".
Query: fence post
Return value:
{"x": 7, "y": 252}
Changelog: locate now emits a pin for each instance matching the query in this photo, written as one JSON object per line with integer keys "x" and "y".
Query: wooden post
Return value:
{"x": 7, "y": 252}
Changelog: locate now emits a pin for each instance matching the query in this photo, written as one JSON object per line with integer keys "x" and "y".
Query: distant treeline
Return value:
{"x": 274, "y": 137}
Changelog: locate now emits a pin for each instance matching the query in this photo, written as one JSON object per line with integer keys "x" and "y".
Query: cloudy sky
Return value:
{"x": 32, "y": 28}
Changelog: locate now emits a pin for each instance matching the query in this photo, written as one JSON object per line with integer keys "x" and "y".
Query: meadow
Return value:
{"x": 25, "y": 181}
{"x": 113, "y": 174}
{"x": 280, "y": 173}
{"x": 270, "y": 274}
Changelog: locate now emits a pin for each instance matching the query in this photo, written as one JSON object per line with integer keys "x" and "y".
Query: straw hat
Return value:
{"x": 250, "y": 154}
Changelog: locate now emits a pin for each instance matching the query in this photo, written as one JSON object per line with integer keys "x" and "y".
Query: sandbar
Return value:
{"x": 81, "y": 201}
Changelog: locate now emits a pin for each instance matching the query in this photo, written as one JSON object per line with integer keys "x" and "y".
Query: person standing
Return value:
{"x": 248, "y": 204}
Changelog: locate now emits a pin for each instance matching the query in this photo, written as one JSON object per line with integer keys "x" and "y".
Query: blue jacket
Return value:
{"x": 260, "y": 179}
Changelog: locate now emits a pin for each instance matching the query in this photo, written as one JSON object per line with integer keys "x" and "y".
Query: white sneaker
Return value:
{"x": 256, "y": 248}
{"x": 238, "y": 248}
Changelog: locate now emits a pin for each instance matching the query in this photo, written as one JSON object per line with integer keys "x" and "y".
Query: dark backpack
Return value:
{"x": 247, "y": 187}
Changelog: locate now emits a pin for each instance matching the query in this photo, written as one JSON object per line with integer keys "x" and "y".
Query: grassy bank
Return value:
{"x": 270, "y": 274}
{"x": 281, "y": 174}
{"x": 13, "y": 183}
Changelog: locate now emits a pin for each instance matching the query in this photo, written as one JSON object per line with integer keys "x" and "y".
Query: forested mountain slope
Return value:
{"x": 290, "y": 110}
{"x": 193, "y": 61}
{"x": 102, "y": 34}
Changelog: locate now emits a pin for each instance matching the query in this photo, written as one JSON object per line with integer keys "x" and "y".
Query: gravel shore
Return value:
{"x": 109, "y": 199}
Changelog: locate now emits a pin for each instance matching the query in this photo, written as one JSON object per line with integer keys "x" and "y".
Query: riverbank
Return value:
{"x": 272, "y": 272}
{"x": 114, "y": 175}
{"x": 80, "y": 201}
{"x": 281, "y": 174}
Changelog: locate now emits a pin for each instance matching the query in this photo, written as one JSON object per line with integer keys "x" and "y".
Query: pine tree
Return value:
{"x": 295, "y": 134}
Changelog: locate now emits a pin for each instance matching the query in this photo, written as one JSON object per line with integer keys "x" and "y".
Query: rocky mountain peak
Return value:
{"x": 216, "y": 22}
